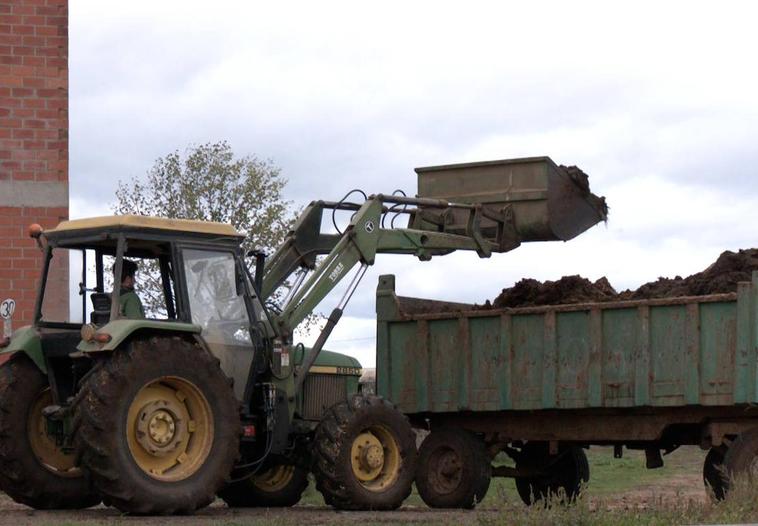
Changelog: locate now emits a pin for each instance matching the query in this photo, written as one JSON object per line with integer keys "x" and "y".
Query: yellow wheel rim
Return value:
{"x": 375, "y": 458}
{"x": 275, "y": 479}
{"x": 169, "y": 429}
{"x": 48, "y": 453}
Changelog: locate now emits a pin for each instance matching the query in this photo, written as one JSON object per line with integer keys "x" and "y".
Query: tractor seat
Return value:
{"x": 101, "y": 305}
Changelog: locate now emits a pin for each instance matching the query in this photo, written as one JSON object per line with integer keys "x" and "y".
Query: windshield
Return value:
{"x": 215, "y": 302}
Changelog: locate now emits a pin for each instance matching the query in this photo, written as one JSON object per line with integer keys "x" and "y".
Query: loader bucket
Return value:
{"x": 547, "y": 202}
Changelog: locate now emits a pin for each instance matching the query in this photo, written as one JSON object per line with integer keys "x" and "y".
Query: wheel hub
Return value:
{"x": 372, "y": 457}
{"x": 445, "y": 471}
{"x": 368, "y": 456}
{"x": 43, "y": 445}
{"x": 160, "y": 430}
{"x": 274, "y": 479}
{"x": 375, "y": 458}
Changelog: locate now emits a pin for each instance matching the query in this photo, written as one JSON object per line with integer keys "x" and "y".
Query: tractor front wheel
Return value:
{"x": 365, "y": 455}
{"x": 35, "y": 469}
{"x": 158, "y": 427}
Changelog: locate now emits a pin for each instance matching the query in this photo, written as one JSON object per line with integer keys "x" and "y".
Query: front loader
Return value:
{"x": 210, "y": 395}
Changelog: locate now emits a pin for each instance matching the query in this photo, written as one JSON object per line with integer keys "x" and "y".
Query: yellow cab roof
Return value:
{"x": 134, "y": 222}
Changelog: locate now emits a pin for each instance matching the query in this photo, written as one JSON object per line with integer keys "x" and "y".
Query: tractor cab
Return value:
{"x": 191, "y": 278}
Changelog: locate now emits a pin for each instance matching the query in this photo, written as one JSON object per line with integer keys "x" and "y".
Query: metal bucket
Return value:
{"x": 547, "y": 202}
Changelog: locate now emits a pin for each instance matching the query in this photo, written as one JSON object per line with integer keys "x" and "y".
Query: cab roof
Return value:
{"x": 143, "y": 223}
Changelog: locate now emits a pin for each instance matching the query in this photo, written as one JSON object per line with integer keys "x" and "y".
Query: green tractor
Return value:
{"x": 208, "y": 395}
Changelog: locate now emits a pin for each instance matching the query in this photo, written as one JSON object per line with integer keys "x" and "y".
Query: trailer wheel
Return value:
{"x": 454, "y": 469}
{"x": 34, "y": 469}
{"x": 280, "y": 486}
{"x": 714, "y": 472}
{"x": 563, "y": 474}
{"x": 157, "y": 427}
{"x": 365, "y": 455}
{"x": 741, "y": 459}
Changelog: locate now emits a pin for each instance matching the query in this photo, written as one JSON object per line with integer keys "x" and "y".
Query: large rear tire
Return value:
{"x": 454, "y": 469}
{"x": 158, "y": 427}
{"x": 365, "y": 455}
{"x": 34, "y": 469}
{"x": 280, "y": 486}
{"x": 563, "y": 475}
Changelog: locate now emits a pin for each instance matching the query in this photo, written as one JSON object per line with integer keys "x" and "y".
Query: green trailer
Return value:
{"x": 543, "y": 383}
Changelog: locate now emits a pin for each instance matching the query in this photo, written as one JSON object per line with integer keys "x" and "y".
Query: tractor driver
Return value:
{"x": 130, "y": 305}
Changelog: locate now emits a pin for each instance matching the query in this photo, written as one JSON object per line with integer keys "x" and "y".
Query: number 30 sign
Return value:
{"x": 6, "y": 309}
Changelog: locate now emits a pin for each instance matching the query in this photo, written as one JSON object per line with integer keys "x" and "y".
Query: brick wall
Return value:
{"x": 33, "y": 139}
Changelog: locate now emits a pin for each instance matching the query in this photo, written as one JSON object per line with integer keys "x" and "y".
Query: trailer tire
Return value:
{"x": 157, "y": 426}
{"x": 715, "y": 474}
{"x": 453, "y": 470}
{"x": 564, "y": 476}
{"x": 364, "y": 455}
{"x": 741, "y": 459}
{"x": 281, "y": 486}
{"x": 33, "y": 469}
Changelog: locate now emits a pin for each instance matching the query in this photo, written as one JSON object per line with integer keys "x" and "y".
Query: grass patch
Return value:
{"x": 740, "y": 507}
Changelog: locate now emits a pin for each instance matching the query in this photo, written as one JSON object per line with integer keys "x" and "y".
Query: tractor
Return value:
{"x": 208, "y": 395}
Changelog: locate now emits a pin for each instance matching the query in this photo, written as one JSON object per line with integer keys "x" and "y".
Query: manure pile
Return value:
{"x": 721, "y": 277}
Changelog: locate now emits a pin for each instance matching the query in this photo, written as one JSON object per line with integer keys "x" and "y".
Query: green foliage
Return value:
{"x": 207, "y": 182}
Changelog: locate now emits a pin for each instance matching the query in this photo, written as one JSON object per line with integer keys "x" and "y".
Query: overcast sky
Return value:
{"x": 656, "y": 101}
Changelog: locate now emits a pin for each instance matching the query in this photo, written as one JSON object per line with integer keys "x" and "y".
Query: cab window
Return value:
{"x": 215, "y": 301}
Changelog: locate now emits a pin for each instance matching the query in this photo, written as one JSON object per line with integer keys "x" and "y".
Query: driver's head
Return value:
{"x": 128, "y": 270}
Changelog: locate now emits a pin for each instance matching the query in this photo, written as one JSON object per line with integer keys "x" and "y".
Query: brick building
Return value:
{"x": 33, "y": 139}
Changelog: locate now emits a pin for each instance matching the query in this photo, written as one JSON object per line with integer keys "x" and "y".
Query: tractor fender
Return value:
{"x": 26, "y": 340}
{"x": 122, "y": 329}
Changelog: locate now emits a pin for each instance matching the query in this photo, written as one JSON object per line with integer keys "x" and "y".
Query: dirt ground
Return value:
{"x": 678, "y": 487}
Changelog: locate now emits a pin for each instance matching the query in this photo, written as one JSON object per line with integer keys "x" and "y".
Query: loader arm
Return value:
{"x": 358, "y": 244}
{"x": 485, "y": 207}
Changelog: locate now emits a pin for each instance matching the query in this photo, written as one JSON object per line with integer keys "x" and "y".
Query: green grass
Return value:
{"x": 740, "y": 507}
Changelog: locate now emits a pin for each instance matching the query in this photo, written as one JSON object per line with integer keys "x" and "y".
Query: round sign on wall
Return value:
{"x": 7, "y": 307}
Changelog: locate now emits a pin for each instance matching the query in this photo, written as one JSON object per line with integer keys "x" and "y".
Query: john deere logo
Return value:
{"x": 369, "y": 226}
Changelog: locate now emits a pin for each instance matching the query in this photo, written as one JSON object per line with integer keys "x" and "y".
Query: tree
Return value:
{"x": 208, "y": 182}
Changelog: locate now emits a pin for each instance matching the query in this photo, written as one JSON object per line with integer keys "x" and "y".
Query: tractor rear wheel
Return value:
{"x": 365, "y": 455}
{"x": 157, "y": 427}
{"x": 34, "y": 469}
{"x": 454, "y": 469}
{"x": 562, "y": 475}
{"x": 280, "y": 486}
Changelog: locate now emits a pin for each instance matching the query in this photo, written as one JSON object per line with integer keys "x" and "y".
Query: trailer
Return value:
{"x": 543, "y": 383}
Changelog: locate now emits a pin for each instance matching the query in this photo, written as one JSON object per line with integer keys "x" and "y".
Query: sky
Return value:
{"x": 654, "y": 100}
